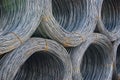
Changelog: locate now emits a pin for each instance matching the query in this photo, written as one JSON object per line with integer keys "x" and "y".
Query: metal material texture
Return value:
{"x": 93, "y": 59}
{"x": 68, "y": 21}
{"x": 18, "y": 21}
{"x": 109, "y": 18}
{"x": 116, "y": 46}
{"x": 37, "y": 59}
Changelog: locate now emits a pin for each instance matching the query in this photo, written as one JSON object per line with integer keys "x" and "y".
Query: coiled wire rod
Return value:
{"x": 109, "y": 18}
{"x": 37, "y": 59}
{"x": 116, "y": 46}
{"x": 68, "y": 21}
{"x": 93, "y": 59}
{"x": 18, "y": 20}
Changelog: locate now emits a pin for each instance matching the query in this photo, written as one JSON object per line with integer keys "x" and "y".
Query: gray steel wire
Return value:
{"x": 68, "y": 21}
{"x": 109, "y": 18}
{"x": 37, "y": 59}
{"x": 116, "y": 47}
{"x": 18, "y": 20}
{"x": 93, "y": 59}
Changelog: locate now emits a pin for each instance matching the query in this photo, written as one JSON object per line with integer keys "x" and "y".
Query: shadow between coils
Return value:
{"x": 116, "y": 46}
{"x": 93, "y": 59}
{"x": 37, "y": 59}
{"x": 109, "y": 18}
{"x": 68, "y": 21}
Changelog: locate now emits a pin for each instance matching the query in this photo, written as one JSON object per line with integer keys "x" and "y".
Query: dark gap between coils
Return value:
{"x": 41, "y": 66}
{"x": 110, "y": 14}
{"x": 118, "y": 60}
{"x": 94, "y": 63}
{"x": 70, "y": 14}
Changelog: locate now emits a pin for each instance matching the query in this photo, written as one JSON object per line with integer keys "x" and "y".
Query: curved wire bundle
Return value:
{"x": 68, "y": 21}
{"x": 19, "y": 19}
{"x": 37, "y": 59}
{"x": 93, "y": 59}
{"x": 109, "y": 18}
{"x": 116, "y": 46}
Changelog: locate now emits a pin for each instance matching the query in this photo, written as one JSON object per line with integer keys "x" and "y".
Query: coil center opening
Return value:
{"x": 70, "y": 14}
{"x": 110, "y": 15}
{"x": 95, "y": 63}
{"x": 41, "y": 66}
{"x": 118, "y": 59}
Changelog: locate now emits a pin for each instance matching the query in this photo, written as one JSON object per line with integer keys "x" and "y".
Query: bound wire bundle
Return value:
{"x": 116, "y": 46}
{"x": 109, "y": 18}
{"x": 19, "y": 19}
{"x": 68, "y": 21}
{"x": 37, "y": 59}
{"x": 93, "y": 59}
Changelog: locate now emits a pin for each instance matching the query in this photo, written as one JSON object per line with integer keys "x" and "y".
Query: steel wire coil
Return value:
{"x": 93, "y": 59}
{"x": 68, "y": 21}
{"x": 37, "y": 59}
{"x": 116, "y": 46}
{"x": 18, "y": 19}
{"x": 109, "y": 18}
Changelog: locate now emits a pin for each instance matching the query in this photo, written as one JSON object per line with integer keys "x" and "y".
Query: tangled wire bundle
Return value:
{"x": 93, "y": 59}
{"x": 109, "y": 18}
{"x": 68, "y": 21}
{"x": 37, "y": 59}
{"x": 18, "y": 20}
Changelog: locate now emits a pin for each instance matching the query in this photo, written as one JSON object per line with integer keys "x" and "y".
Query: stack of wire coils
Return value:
{"x": 60, "y": 40}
